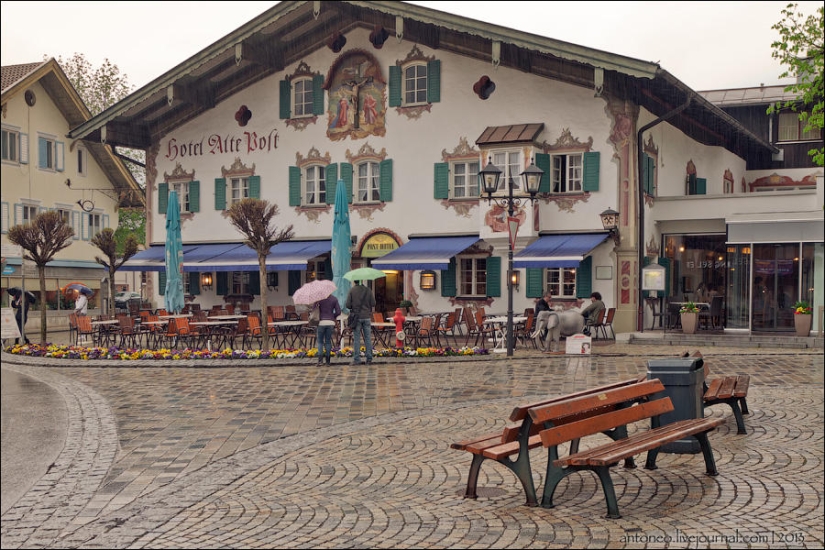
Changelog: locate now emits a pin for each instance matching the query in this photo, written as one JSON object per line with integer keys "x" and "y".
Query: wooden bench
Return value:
{"x": 612, "y": 409}
{"x": 517, "y": 438}
{"x": 731, "y": 390}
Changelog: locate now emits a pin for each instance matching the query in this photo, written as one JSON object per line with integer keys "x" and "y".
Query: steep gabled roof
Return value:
{"x": 16, "y": 79}
{"x": 291, "y": 30}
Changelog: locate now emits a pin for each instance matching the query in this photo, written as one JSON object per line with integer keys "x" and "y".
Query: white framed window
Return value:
{"x": 182, "y": 189}
{"x": 315, "y": 185}
{"x": 303, "y": 97}
{"x": 414, "y": 84}
{"x": 472, "y": 276}
{"x": 49, "y": 153}
{"x": 793, "y": 129}
{"x": 561, "y": 282}
{"x": 81, "y": 161}
{"x": 238, "y": 189}
{"x": 11, "y": 145}
{"x": 369, "y": 189}
{"x": 566, "y": 173}
{"x": 240, "y": 282}
{"x": 509, "y": 162}
{"x": 95, "y": 224}
{"x": 465, "y": 179}
{"x": 316, "y": 269}
{"x": 29, "y": 211}
{"x": 66, "y": 214}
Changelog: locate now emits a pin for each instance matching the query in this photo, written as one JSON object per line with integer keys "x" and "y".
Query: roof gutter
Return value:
{"x": 640, "y": 325}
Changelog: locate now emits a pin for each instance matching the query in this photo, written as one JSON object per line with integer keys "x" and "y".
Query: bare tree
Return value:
{"x": 42, "y": 238}
{"x": 106, "y": 242}
{"x": 254, "y": 218}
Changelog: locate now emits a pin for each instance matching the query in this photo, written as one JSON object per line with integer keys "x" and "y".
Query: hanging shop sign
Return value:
{"x": 378, "y": 245}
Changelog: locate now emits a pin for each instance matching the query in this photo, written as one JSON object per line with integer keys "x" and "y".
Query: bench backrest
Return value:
{"x": 579, "y": 417}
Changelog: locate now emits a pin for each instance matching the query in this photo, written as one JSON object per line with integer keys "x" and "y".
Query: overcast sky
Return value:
{"x": 706, "y": 45}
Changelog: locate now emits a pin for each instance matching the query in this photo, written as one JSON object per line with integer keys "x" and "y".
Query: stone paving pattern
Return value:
{"x": 286, "y": 454}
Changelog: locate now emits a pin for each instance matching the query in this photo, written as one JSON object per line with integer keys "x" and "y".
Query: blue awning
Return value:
{"x": 285, "y": 256}
{"x": 558, "y": 250}
{"x": 425, "y": 253}
{"x": 294, "y": 255}
{"x": 207, "y": 256}
{"x": 153, "y": 258}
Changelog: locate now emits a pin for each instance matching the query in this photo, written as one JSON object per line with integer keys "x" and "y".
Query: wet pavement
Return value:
{"x": 286, "y": 454}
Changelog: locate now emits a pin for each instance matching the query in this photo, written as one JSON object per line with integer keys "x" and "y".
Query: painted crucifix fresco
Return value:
{"x": 357, "y": 97}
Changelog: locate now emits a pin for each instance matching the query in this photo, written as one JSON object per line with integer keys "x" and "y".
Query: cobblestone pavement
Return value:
{"x": 291, "y": 455}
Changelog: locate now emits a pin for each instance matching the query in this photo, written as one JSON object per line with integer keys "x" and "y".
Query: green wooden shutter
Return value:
{"x": 434, "y": 81}
{"x": 294, "y": 186}
{"x": 648, "y": 173}
{"x": 691, "y": 184}
{"x": 254, "y": 187}
{"x": 328, "y": 267}
{"x": 584, "y": 279}
{"x": 591, "y": 171}
{"x": 494, "y": 276}
{"x": 194, "y": 283}
{"x": 535, "y": 282}
{"x": 346, "y": 175}
{"x": 441, "y": 185}
{"x": 285, "y": 108}
{"x": 222, "y": 283}
{"x": 701, "y": 186}
{"x": 395, "y": 86}
{"x": 543, "y": 162}
{"x": 294, "y": 281}
{"x": 163, "y": 198}
{"x": 161, "y": 282}
{"x": 42, "y": 152}
{"x": 220, "y": 193}
{"x": 385, "y": 180}
{"x": 332, "y": 182}
{"x": 318, "y": 94}
{"x": 448, "y": 282}
{"x": 194, "y": 196}
{"x": 58, "y": 156}
{"x": 254, "y": 283}
{"x": 24, "y": 148}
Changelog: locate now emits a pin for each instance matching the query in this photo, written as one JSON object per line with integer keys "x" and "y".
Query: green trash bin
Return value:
{"x": 683, "y": 379}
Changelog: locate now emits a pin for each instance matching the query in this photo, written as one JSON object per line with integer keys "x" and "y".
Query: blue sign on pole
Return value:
{"x": 8, "y": 270}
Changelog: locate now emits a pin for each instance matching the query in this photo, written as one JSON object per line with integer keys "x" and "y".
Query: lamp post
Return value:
{"x": 610, "y": 221}
{"x": 488, "y": 181}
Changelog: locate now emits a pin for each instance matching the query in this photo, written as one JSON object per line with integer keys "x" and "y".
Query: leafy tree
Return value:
{"x": 100, "y": 88}
{"x": 114, "y": 260}
{"x": 254, "y": 218}
{"x": 42, "y": 238}
{"x": 131, "y": 223}
{"x": 800, "y": 50}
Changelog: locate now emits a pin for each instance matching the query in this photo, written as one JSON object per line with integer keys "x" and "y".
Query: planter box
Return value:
{"x": 689, "y": 322}
{"x": 802, "y": 324}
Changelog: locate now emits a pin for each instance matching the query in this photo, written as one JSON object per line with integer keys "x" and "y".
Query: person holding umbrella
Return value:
{"x": 329, "y": 309}
{"x": 360, "y": 302}
{"x": 81, "y": 303}
{"x": 20, "y": 302}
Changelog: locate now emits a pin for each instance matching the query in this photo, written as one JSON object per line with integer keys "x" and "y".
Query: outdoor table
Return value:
{"x": 212, "y": 327}
{"x": 104, "y": 332}
{"x": 175, "y": 316}
{"x": 500, "y": 326}
{"x": 224, "y": 317}
{"x": 289, "y": 330}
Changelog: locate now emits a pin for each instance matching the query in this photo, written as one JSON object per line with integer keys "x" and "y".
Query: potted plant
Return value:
{"x": 689, "y": 315}
{"x": 802, "y": 318}
{"x": 405, "y": 305}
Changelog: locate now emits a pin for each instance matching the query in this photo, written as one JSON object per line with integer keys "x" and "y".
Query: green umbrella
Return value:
{"x": 364, "y": 274}
{"x": 173, "y": 298}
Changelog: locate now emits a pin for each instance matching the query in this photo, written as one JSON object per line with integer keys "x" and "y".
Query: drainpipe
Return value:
{"x": 640, "y": 325}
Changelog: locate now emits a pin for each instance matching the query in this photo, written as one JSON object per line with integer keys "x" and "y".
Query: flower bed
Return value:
{"x": 92, "y": 353}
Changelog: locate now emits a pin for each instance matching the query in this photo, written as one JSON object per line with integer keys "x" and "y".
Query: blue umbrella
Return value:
{"x": 341, "y": 242}
{"x": 173, "y": 298}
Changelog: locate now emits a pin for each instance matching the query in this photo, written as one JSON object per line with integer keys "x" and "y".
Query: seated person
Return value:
{"x": 543, "y": 310}
{"x": 591, "y": 312}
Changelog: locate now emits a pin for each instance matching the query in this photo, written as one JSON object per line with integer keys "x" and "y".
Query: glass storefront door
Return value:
{"x": 775, "y": 285}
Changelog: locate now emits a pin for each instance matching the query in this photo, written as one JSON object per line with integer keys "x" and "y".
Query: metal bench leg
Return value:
{"x": 521, "y": 468}
{"x": 737, "y": 413}
{"x": 707, "y": 452}
{"x": 472, "y": 479}
{"x": 609, "y": 492}
{"x": 744, "y": 404}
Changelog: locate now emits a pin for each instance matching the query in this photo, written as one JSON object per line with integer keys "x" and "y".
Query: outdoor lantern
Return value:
{"x": 532, "y": 178}
{"x": 488, "y": 178}
{"x": 206, "y": 280}
{"x": 514, "y": 278}
{"x": 427, "y": 281}
{"x": 610, "y": 221}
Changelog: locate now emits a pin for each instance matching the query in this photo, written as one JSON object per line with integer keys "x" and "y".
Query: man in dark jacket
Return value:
{"x": 360, "y": 302}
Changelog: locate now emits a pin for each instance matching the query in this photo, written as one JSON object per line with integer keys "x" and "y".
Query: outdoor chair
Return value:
{"x": 126, "y": 331}
{"x": 86, "y": 333}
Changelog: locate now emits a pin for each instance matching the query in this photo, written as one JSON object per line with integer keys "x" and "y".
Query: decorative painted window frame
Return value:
{"x": 365, "y": 154}
{"x": 415, "y": 56}
{"x": 313, "y": 158}
{"x": 237, "y": 170}
{"x": 303, "y": 71}
{"x": 179, "y": 175}
{"x": 463, "y": 152}
{"x": 566, "y": 143}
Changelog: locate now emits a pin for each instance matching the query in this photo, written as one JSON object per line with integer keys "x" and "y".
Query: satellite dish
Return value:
{"x": 31, "y": 99}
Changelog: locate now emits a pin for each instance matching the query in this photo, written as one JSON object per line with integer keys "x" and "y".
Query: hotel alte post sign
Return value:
{"x": 377, "y": 245}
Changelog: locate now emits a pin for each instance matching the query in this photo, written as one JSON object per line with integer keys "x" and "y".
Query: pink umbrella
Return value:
{"x": 313, "y": 291}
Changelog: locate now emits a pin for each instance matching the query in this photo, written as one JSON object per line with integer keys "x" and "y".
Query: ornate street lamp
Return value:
{"x": 610, "y": 221}
{"x": 488, "y": 180}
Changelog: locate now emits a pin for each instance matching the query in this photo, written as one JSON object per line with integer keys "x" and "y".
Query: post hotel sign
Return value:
{"x": 378, "y": 245}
